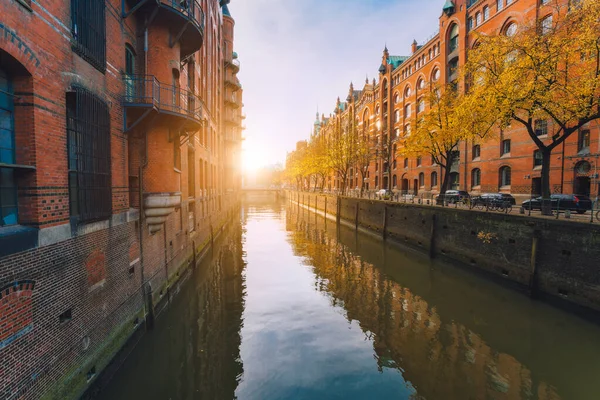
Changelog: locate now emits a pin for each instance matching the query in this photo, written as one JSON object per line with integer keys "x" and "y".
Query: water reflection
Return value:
{"x": 451, "y": 335}
{"x": 289, "y": 307}
{"x": 194, "y": 352}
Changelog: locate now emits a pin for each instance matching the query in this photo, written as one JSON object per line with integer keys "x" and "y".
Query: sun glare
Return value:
{"x": 253, "y": 157}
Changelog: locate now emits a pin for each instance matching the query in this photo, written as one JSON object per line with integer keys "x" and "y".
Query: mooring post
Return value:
{"x": 432, "y": 237}
{"x": 325, "y": 198}
{"x": 533, "y": 278}
{"x": 385, "y": 211}
{"x": 356, "y": 217}
{"x": 339, "y": 208}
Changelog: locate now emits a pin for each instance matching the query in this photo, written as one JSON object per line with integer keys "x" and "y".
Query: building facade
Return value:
{"x": 120, "y": 144}
{"x": 383, "y": 110}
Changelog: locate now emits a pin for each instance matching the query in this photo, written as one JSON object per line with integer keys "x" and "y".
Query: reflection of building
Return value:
{"x": 120, "y": 132}
{"x": 384, "y": 107}
{"x": 438, "y": 355}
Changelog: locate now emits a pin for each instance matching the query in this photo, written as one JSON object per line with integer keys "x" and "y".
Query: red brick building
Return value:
{"x": 120, "y": 133}
{"x": 507, "y": 163}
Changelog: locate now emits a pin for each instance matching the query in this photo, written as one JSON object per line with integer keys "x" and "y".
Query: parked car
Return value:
{"x": 386, "y": 194}
{"x": 578, "y": 203}
{"x": 453, "y": 196}
{"x": 493, "y": 199}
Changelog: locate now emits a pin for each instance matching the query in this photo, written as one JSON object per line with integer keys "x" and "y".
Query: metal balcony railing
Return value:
{"x": 190, "y": 8}
{"x": 146, "y": 90}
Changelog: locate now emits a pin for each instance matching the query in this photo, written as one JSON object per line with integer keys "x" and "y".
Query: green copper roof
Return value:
{"x": 226, "y": 11}
{"x": 449, "y": 4}
{"x": 396, "y": 60}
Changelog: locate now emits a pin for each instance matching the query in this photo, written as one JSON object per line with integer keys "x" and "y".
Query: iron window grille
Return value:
{"x": 88, "y": 143}
{"x": 88, "y": 22}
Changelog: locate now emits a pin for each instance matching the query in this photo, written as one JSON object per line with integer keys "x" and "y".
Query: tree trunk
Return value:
{"x": 446, "y": 178}
{"x": 546, "y": 202}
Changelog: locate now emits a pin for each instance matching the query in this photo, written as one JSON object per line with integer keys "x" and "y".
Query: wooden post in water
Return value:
{"x": 384, "y": 230}
{"x": 356, "y": 217}
{"x": 533, "y": 278}
{"x": 432, "y": 237}
{"x": 325, "y": 198}
{"x": 338, "y": 211}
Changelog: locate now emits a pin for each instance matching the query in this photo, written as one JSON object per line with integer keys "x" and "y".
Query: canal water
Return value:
{"x": 289, "y": 307}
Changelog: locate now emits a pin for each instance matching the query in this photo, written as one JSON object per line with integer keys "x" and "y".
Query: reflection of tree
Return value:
{"x": 442, "y": 360}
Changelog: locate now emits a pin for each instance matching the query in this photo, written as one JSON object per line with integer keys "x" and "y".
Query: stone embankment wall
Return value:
{"x": 546, "y": 256}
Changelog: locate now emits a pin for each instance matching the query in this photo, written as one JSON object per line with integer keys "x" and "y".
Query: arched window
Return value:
{"x": 396, "y": 115}
{"x": 396, "y": 98}
{"x": 406, "y": 163}
{"x": 478, "y": 19}
{"x": 434, "y": 178}
{"x": 377, "y": 109}
{"x": 436, "y": 75}
{"x": 511, "y": 29}
{"x": 376, "y": 181}
{"x": 486, "y": 13}
{"x": 385, "y": 88}
{"x": 407, "y": 111}
{"x": 499, "y": 5}
{"x": 453, "y": 39}
{"x": 475, "y": 177}
{"x": 394, "y": 165}
{"x": 407, "y": 130}
{"x": 470, "y": 23}
{"x": 394, "y": 179}
{"x": 421, "y": 179}
{"x": 546, "y": 24}
{"x": 8, "y": 192}
{"x": 129, "y": 73}
{"x": 421, "y": 105}
{"x": 419, "y": 161}
{"x": 407, "y": 92}
{"x": 505, "y": 177}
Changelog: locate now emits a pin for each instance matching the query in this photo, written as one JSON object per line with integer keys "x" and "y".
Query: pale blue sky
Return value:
{"x": 300, "y": 54}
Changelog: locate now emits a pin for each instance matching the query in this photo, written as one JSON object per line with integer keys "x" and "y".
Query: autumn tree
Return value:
{"x": 342, "y": 149}
{"x": 317, "y": 161}
{"x": 547, "y": 70}
{"x": 364, "y": 155}
{"x": 449, "y": 119}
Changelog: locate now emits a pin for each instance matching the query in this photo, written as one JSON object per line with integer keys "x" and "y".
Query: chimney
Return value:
{"x": 414, "y": 47}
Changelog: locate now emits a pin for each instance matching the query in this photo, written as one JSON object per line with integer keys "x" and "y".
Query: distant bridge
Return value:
{"x": 278, "y": 192}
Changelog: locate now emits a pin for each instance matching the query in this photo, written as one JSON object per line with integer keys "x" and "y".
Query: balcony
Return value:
{"x": 233, "y": 120}
{"x": 234, "y": 64}
{"x": 232, "y": 104}
{"x": 233, "y": 83}
{"x": 145, "y": 95}
{"x": 185, "y": 17}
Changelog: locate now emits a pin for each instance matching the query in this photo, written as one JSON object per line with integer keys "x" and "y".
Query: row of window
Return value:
{"x": 433, "y": 52}
{"x": 504, "y": 179}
